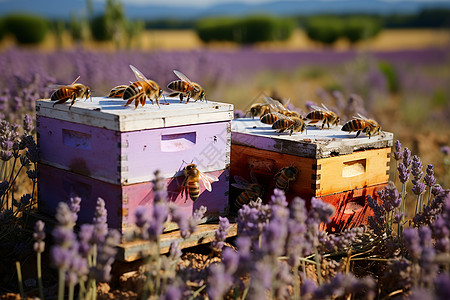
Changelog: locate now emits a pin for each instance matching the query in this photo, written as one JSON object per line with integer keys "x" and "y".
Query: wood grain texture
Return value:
{"x": 133, "y": 156}
{"x": 130, "y": 251}
{"x": 312, "y": 143}
{"x": 56, "y": 185}
{"x": 316, "y": 177}
{"x": 111, "y": 113}
{"x": 351, "y": 208}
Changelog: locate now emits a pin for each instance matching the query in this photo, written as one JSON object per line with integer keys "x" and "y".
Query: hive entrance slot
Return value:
{"x": 354, "y": 168}
{"x": 178, "y": 142}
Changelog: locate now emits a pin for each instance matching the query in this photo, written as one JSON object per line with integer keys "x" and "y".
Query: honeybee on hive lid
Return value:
{"x": 291, "y": 124}
{"x": 69, "y": 92}
{"x": 142, "y": 89}
{"x": 191, "y": 183}
{"x": 284, "y": 176}
{"x": 186, "y": 88}
{"x": 362, "y": 124}
{"x": 276, "y": 107}
{"x": 117, "y": 91}
{"x": 250, "y": 190}
{"x": 323, "y": 114}
{"x": 258, "y": 110}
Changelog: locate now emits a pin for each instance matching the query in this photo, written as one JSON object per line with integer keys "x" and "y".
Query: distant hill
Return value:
{"x": 63, "y": 8}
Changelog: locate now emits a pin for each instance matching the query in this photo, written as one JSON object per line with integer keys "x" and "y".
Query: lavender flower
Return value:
{"x": 181, "y": 219}
{"x": 159, "y": 216}
{"x": 39, "y": 237}
{"x": 219, "y": 281}
{"x": 403, "y": 172}
{"x": 159, "y": 188}
{"x": 28, "y": 124}
{"x": 406, "y": 157}
{"x": 442, "y": 286}
{"x": 100, "y": 222}
{"x": 429, "y": 179}
{"x": 85, "y": 236}
{"x": 412, "y": 242}
{"x": 418, "y": 188}
{"x": 75, "y": 206}
{"x": 220, "y": 234}
{"x": 320, "y": 210}
{"x": 390, "y": 197}
{"x": 416, "y": 168}
{"x": 25, "y": 199}
{"x": 106, "y": 255}
{"x": 398, "y": 155}
{"x": 445, "y": 150}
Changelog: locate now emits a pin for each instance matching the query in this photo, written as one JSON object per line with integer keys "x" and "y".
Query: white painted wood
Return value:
{"x": 313, "y": 142}
{"x": 111, "y": 113}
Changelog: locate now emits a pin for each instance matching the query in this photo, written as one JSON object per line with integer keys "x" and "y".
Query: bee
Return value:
{"x": 291, "y": 124}
{"x": 117, "y": 92}
{"x": 72, "y": 92}
{"x": 191, "y": 183}
{"x": 258, "y": 110}
{"x": 269, "y": 118}
{"x": 186, "y": 88}
{"x": 142, "y": 89}
{"x": 284, "y": 176}
{"x": 362, "y": 124}
{"x": 323, "y": 114}
{"x": 251, "y": 191}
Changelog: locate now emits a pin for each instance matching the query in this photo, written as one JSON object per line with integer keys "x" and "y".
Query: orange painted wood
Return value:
{"x": 352, "y": 171}
{"x": 317, "y": 177}
{"x": 351, "y": 208}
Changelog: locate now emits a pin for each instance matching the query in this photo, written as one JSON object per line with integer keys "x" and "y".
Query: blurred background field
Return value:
{"x": 387, "y": 60}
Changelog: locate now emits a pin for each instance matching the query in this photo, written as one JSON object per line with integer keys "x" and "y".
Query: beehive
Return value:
{"x": 100, "y": 148}
{"x": 331, "y": 162}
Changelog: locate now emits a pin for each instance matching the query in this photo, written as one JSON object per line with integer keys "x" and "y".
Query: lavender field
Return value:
{"x": 280, "y": 252}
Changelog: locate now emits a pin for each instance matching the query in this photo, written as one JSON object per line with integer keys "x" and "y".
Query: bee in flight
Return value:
{"x": 250, "y": 191}
{"x": 117, "y": 92}
{"x": 291, "y": 124}
{"x": 191, "y": 183}
{"x": 69, "y": 92}
{"x": 186, "y": 88}
{"x": 362, "y": 124}
{"x": 323, "y": 114}
{"x": 142, "y": 89}
{"x": 284, "y": 176}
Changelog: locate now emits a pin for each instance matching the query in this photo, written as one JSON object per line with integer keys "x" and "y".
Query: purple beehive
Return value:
{"x": 101, "y": 148}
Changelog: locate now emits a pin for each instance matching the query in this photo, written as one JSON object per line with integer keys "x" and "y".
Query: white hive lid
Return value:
{"x": 312, "y": 143}
{"x": 110, "y": 113}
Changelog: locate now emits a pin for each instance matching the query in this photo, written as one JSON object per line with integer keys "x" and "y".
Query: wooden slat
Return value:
{"x": 130, "y": 251}
{"x": 312, "y": 143}
{"x": 333, "y": 180}
{"x": 111, "y": 114}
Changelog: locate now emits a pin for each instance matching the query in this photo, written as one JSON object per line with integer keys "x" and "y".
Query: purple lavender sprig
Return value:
{"x": 220, "y": 234}
{"x": 39, "y": 247}
{"x": 429, "y": 180}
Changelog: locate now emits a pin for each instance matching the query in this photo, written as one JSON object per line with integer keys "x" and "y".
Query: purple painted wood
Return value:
{"x": 132, "y": 157}
{"x": 79, "y": 148}
{"x": 56, "y": 185}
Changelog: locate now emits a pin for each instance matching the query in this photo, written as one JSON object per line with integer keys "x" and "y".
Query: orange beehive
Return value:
{"x": 333, "y": 165}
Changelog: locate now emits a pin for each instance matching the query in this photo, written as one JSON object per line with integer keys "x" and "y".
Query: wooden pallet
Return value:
{"x": 131, "y": 251}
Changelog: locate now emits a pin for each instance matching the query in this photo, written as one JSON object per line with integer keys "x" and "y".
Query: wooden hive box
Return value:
{"x": 100, "y": 148}
{"x": 334, "y": 165}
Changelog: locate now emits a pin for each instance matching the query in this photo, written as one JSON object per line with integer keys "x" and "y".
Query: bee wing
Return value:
{"x": 281, "y": 116}
{"x": 185, "y": 79}
{"x": 138, "y": 74}
{"x": 207, "y": 180}
{"x": 361, "y": 117}
{"x": 241, "y": 186}
{"x": 275, "y": 104}
{"x": 153, "y": 84}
